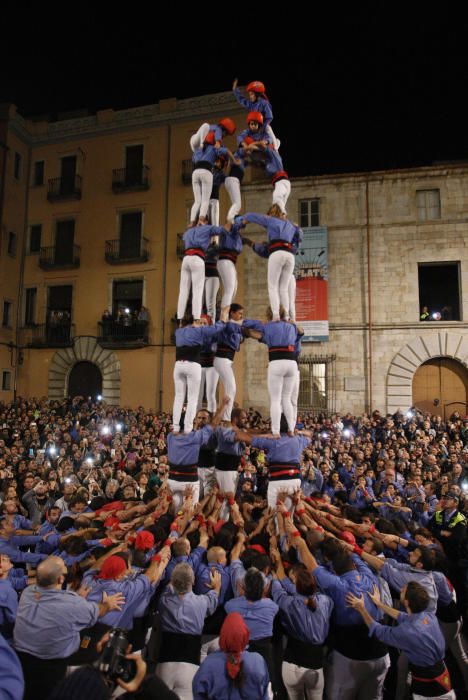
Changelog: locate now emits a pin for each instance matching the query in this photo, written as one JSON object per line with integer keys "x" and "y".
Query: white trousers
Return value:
{"x": 295, "y": 393}
{"x": 214, "y": 212}
{"x": 281, "y": 192}
{"x": 227, "y": 481}
{"x": 291, "y": 310}
{"x": 348, "y": 679}
{"x": 233, "y": 188}
{"x": 223, "y": 367}
{"x": 192, "y": 275}
{"x": 280, "y": 269}
{"x": 275, "y": 487}
{"x": 228, "y": 274}
{"x": 275, "y": 142}
{"x": 446, "y": 696}
{"x": 207, "y": 479}
{"x": 303, "y": 682}
{"x": 178, "y": 676}
{"x": 281, "y": 380}
{"x": 211, "y": 294}
{"x": 198, "y": 138}
{"x": 209, "y": 380}
{"x": 178, "y": 488}
{"x": 202, "y": 183}
{"x": 187, "y": 377}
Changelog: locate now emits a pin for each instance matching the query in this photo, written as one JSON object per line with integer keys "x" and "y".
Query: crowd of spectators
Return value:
{"x": 90, "y": 542}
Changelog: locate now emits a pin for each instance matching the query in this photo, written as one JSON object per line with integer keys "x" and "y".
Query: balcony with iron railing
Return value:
{"x": 126, "y": 333}
{"x": 130, "y": 179}
{"x": 62, "y": 188}
{"x": 56, "y": 258}
{"x": 187, "y": 170}
{"x": 119, "y": 253}
{"x": 48, "y": 335}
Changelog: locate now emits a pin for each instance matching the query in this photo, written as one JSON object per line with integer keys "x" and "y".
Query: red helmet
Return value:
{"x": 210, "y": 138}
{"x": 255, "y": 117}
{"x": 228, "y": 125}
{"x": 256, "y": 86}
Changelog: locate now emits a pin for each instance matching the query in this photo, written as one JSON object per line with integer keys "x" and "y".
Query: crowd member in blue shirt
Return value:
{"x": 305, "y": 617}
{"x": 258, "y": 613}
{"x": 357, "y": 664}
{"x": 232, "y": 672}
{"x": 417, "y": 634}
{"x": 230, "y": 247}
{"x": 229, "y": 451}
{"x": 230, "y": 338}
{"x": 48, "y": 624}
{"x": 182, "y": 615}
{"x": 11, "y": 674}
{"x": 8, "y": 598}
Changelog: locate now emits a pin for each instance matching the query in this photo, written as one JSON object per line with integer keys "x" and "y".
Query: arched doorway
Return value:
{"x": 440, "y": 386}
{"x": 85, "y": 379}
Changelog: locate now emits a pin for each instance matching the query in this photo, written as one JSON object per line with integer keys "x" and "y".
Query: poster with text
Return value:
{"x": 311, "y": 272}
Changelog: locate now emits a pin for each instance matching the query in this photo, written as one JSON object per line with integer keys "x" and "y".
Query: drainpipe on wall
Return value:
{"x": 19, "y": 296}
{"x": 369, "y": 303}
{"x": 164, "y": 270}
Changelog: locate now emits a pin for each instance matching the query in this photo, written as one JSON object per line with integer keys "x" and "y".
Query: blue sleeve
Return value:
{"x": 218, "y": 134}
{"x": 11, "y": 674}
{"x": 261, "y": 249}
{"x": 241, "y": 99}
{"x": 260, "y": 219}
{"x": 394, "y": 636}
{"x": 254, "y": 324}
{"x": 23, "y": 540}
{"x": 237, "y": 574}
{"x": 195, "y": 557}
{"x": 326, "y": 580}
{"x": 209, "y": 333}
{"x": 261, "y": 443}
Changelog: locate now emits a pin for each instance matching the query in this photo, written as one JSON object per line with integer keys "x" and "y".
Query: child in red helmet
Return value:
{"x": 259, "y": 102}
{"x": 255, "y": 135}
{"x": 212, "y": 134}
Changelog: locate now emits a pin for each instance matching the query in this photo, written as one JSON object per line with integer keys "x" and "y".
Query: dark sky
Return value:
{"x": 379, "y": 85}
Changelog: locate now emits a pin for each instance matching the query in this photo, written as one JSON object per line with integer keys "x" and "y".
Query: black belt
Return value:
{"x": 429, "y": 680}
{"x": 203, "y": 165}
{"x": 225, "y": 352}
{"x": 206, "y": 459}
{"x": 280, "y": 471}
{"x": 189, "y": 353}
{"x": 183, "y": 472}
{"x": 176, "y": 646}
{"x": 211, "y": 269}
{"x": 207, "y": 359}
{"x": 353, "y": 641}
{"x": 286, "y": 352}
{"x": 303, "y": 653}
{"x": 225, "y": 254}
{"x": 278, "y": 244}
{"x": 227, "y": 463}
{"x": 236, "y": 171}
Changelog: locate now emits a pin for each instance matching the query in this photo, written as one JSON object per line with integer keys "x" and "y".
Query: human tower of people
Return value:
{"x": 341, "y": 565}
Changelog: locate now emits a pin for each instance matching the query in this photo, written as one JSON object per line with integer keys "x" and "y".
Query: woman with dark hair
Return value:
{"x": 232, "y": 672}
{"x": 305, "y": 616}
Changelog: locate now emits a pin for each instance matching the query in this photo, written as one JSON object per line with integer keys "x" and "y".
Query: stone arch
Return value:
{"x": 85, "y": 348}
{"x": 413, "y": 355}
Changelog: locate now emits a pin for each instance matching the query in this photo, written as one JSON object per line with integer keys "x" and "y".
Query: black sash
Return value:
{"x": 304, "y": 654}
{"x": 176, "y": 646}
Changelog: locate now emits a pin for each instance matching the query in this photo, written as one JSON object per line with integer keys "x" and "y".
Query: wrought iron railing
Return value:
{"x": 55, "y": 257}
{"x": 126, "y": 179}
{"x": 118, "y": 252}
{"x": 64, "y": 188}
{"x": 49, "y": 335}
{"x": 127, "y": 332}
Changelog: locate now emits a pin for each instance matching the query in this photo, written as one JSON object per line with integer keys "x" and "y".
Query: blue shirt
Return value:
{"x": 258, "y": 615}
{"x": 359, "y": 581}
{"x": 277, "y": 229}
{"x": 231, "y": 240}
{"x": 230, "y": 335}
{"x": 211, "y": 681}
{"x": 298, "y": 621}
{"x": 185, "y": 448}
{"x": 418, "y": 635}
{"x": 200, "y": 236}
{"x": 273, "y": 162}
{"x": 279, "y": 334}
{"x": 18, "y": 557}
{"x": 185, "y": 614}
{"x": 48, "y": 622}
{"x": 202, "y": 581}
{"x": 135, "y": 590}
{"x": 11, "y": 673}
{"x": 193, "y": 559}
{"x": 283, "y": 450}
{"x": 397, "y": 575}
{"x": 8, "y": 608}
{"x": 208, "y": 154}
{"x": 195, "y": 335}
{"x": 260, "y": 105}
{"x": 226, "y": 442}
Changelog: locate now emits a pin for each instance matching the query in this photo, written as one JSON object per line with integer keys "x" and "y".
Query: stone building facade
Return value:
{"x": 382, "y": 227}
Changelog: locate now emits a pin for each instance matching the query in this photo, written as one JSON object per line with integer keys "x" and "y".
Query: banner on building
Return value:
{"x": 311, "y": 273}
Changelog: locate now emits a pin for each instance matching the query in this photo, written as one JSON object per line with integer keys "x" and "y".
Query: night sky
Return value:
{"x": 376, "y": 85}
